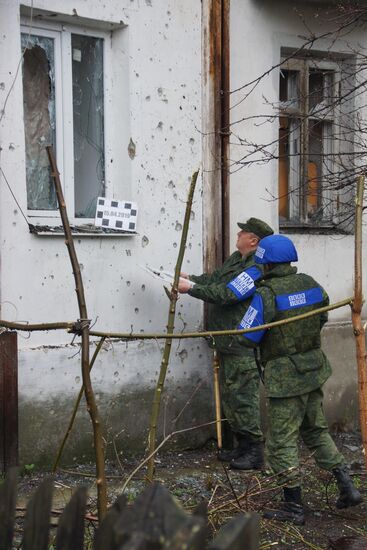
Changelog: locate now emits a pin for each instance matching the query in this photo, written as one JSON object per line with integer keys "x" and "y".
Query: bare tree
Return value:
{"x": 317, "y": 123}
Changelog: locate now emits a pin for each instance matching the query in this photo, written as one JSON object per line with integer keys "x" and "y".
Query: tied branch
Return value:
{"x": 84, "y": 330}
{"x": 183, "y": 335}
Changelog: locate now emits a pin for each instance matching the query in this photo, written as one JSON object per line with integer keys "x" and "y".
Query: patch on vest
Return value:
{"x": 304, "y": 298}
{"x": 243, "y": 286}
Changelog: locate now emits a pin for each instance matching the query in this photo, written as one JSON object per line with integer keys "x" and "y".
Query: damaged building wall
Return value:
{"x": 153, "y": 145}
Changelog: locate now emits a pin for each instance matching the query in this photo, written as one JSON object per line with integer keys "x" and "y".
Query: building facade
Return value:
{"x": 134, "y": 96}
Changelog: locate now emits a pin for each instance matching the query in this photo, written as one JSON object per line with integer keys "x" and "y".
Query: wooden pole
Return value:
{"x": 29, "y": 327}
{"x": 84, "y": 331}
{"x": 218, "y": 419}
{"x": 212, "y": 333}
{"x": 8, "y": 401}
{"x": 358, "y": 327}
{"x": 170, "y": 327}
{"x": 71, "y": 327}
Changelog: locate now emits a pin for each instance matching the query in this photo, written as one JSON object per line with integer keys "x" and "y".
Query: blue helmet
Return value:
{"x": 275, "y": 249}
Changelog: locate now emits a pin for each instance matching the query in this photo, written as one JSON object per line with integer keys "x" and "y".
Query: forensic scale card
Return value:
{"x": 113, "y": 214}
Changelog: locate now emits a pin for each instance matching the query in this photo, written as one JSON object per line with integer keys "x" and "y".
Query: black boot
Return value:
{"x": 349, "y": 494}
{"x": 251, "y": 459}
{"x": 291, "y": 509}
{"x": 227, "y": 455}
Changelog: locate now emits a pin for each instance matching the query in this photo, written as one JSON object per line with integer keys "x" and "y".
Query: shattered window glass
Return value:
{"x": 39, "y": 119}
{"x": 88, "y": 116}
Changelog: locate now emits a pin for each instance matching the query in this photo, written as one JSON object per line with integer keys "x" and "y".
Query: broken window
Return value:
{"x": 309, "y": 92}
{"x": 63, "y": 95}
{"x": 39, "y": 119}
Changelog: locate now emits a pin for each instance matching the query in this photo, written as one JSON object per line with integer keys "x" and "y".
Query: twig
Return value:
{"x": 213, "y": 494}
{"x": 161, "y": 444}
{"x": 196, "y": 389}
{"x": 231, "y": 486}
{"x": 117, "y": 455}
{"x": 88, "y": 517}
{"x": 84, "y": 474}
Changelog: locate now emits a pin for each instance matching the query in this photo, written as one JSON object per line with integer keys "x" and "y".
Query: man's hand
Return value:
{"x": 184, "y": 285}
{"x": 184, "y": 275}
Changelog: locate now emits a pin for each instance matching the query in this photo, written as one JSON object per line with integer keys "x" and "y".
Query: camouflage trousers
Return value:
{"x": 289, "y": 417}
{"x": 239, "y": 385}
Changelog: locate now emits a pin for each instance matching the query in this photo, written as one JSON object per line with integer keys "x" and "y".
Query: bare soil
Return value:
{"x": 196, "y": 475}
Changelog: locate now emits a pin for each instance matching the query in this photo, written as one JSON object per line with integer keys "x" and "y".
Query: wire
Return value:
{"x": 14, "y": 197}
{"x": 2, "y": 112}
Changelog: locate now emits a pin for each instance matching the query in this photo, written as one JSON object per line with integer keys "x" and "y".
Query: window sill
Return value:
{"x": 86, "y": 230}
{"x": 292, "y": 228}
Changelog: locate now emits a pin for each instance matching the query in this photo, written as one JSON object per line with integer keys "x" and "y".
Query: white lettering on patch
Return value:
{"x": 297, "y": 299}
{"x": 260, "y": 252}
{"x": 249, "y": 317}
{"x": 243, "y": 283}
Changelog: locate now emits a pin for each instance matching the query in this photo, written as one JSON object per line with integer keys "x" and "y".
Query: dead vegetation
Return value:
{"x": 195, "y": 477}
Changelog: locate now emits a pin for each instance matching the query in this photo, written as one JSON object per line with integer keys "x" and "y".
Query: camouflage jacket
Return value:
{"x": 291, "y": 354}
{"x": 225, "y": 306}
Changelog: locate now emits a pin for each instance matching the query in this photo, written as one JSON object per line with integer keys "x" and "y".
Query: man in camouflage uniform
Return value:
{"x": 227, "y": 291}
{"x": 295, "y": 370}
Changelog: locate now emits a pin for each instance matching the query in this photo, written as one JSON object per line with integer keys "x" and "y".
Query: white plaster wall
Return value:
{"x": 158, "y": 78}
{"x": 164, "y": 66}
{"x": 258, "y": 31}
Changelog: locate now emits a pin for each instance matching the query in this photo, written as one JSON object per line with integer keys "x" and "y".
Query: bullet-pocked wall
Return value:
{"x": 152, "y": 119}
{"x": 152, "y": 98}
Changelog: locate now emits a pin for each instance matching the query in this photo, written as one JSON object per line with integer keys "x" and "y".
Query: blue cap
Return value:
{"x": 275, "y": 249}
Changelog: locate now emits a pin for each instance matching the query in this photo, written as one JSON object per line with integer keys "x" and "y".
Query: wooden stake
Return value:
{"x": 218, "y": 419}
{"x": 8, "y": 401}
{"x": 170, "y": 327}
{"x": 358, "y": 327}
{"x": 84, "y": 331}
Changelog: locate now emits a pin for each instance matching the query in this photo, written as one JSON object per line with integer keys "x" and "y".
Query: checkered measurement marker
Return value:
{"x": 112, "y": 214}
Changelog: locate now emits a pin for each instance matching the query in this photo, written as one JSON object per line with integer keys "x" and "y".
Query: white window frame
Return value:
{"x": 297, "y": 195}
{"x": 61, "y": 33}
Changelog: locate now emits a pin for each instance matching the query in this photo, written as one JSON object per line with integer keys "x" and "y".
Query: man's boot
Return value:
{"x": 227, "y": 455}
{"x": 251, "y": 459}
{"x": 349, "y": 494}
{"x": 291, "y": 509}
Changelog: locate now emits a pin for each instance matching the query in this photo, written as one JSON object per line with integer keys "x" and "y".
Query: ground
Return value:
{"x": 195, "y": 475}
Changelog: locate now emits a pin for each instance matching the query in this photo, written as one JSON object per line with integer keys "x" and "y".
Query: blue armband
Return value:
{"x": 243, "y": 286}
{"x": 253, "y": 317}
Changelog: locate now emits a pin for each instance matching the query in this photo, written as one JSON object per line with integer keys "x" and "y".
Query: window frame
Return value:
{"x": 61, "y": 33}
{"x": 298, "y": 216}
